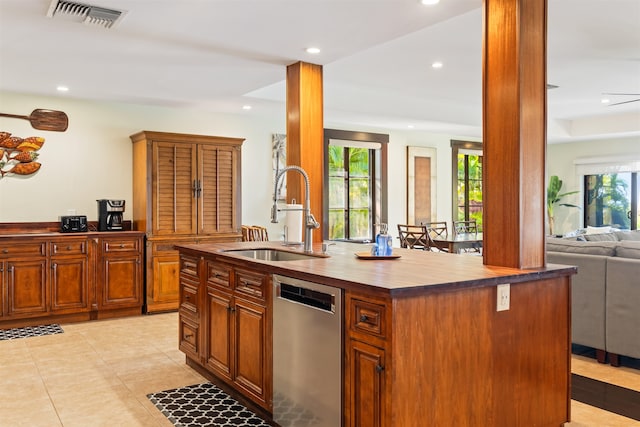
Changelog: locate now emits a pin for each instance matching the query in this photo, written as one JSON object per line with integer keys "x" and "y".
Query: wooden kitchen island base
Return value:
{"x": 424, "y": 344}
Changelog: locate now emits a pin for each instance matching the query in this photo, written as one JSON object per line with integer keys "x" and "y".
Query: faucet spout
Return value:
{"x": 310, "y": 222}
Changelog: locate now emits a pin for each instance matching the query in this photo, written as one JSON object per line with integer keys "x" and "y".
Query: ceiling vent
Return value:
{"x": 87, "y": 14}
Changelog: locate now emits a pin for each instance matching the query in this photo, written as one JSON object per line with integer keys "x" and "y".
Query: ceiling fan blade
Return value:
{"x": 622, "y": 94}
{"x": 624, "y": 102}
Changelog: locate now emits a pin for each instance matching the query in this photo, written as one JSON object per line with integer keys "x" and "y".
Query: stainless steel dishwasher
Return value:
{"x": 307, "y": 354}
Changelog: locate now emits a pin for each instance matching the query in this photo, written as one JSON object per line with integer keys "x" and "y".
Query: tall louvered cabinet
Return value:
{"x": 186, "y": 189}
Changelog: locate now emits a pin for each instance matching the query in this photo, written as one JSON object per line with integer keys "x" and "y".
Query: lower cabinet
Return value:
{"x": 366, "y": 366}
{"x": 71, "y": 277}
{"x": 234, "y": 323}
{"x": 120, "y": 273}
{"x": 163, "y": 265}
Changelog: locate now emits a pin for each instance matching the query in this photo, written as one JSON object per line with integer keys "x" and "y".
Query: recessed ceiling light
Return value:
{"x": 429, "y": 2}
{"x": 62, "y": 89}
{"x": 410, "y": 126}
{"x": 605, "y": 101}
{"x": 437, "y": 64}
{"x": 313, "y": 50}
{"x": 246, "y": 107}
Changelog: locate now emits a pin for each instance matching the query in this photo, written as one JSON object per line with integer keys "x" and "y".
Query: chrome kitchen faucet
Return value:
{"x": 310, "y": 222}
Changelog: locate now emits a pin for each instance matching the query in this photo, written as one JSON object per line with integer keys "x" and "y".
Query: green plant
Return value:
{"x": 554, "y": 197}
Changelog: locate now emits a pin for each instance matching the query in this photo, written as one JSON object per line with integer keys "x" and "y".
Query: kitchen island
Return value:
{"x": 423, "y": 341}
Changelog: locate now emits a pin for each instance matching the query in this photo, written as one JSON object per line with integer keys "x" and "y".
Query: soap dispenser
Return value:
{"x": 384, "y": 243}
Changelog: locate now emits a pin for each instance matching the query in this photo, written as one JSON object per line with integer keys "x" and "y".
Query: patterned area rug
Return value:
{"x": 30, "y": 331}
{"x": 203, "y": 405}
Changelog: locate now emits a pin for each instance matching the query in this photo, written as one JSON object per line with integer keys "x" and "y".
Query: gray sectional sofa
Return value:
{"x": 605, "y": 295}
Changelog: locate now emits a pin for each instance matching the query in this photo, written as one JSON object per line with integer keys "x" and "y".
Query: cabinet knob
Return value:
{"x": 188, "y": 335}
{"x": 379, "y": 368}
{"x": 5, "y": 251}
{"x": 363, "y": 318}
{"x": 68, "y": 248}
{"x": 121, "y": 245}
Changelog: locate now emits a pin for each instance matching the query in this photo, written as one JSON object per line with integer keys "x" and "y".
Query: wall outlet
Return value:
{"x": 503, "y": 297}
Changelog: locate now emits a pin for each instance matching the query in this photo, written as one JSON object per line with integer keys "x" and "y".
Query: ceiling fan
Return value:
{"x": 623, "y": 94}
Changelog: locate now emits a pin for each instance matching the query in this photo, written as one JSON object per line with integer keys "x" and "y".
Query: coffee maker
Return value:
{"x": 110, "y": 214}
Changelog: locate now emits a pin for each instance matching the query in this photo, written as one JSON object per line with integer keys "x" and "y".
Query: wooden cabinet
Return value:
{"x": 72, "y": 277}
{"x": 23, "y": 279}
{"x": 365, "y": 377}
{"x": 233, "y": 318}
{"x": 120, "y": 273}
{"x": 69, "y": 275}
{"x": 186, "y": 189}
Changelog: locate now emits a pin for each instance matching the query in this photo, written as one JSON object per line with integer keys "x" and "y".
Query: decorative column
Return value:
{"x": 305, "y": 135}
{"x": 514, "y": 132}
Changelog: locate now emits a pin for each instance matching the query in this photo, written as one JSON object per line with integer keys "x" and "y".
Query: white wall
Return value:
{"x": 92, "y": 159}
{"x": 561, "y": 160}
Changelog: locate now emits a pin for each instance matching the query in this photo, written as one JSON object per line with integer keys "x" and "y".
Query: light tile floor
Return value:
{"x": 99, "y": 374}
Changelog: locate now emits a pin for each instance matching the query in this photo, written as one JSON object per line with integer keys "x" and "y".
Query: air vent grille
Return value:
{"x": 87, "y": 14}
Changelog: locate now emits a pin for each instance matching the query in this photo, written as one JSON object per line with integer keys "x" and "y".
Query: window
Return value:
{"x": 467, "y": 181}
{"x": 611, "y": 199}
{"x": 354, "y": 195}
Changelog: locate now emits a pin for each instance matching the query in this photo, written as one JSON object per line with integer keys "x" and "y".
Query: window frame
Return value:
{"x": 378, "y": 161}
{"x": 456, "y": 147}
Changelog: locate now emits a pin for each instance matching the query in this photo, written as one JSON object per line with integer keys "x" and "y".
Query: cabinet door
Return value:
{"x": 26, "y": 287}
{"x": 219, "y": 189}
{"x": 69, "y": 284}
{"x": 163, "y": 292}
{"x": 174, "y": 189}
{"x": 251, "y": 349}
{"x": 219, "y": 341}
{"x": 365, "y": 386}
{"x": 121, "y": 282}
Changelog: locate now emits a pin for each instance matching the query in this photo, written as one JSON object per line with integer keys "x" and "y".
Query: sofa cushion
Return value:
{"x": 628, "y": 249}
{"x": 602, "y": 237}
{"x": 577, "y": 247}
{"x": 628, "y": 235}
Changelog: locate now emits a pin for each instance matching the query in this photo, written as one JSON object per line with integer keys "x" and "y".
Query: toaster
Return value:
{"x": 73, "y": 223}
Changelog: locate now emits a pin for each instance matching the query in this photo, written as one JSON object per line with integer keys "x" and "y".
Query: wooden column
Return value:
{"x": 514, "y": 132}
{"x": 304, "y": 135}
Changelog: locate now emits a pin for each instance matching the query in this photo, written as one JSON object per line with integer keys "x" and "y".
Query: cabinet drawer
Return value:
{"x": 189, "y": 299}
{"x": 250, "y": 283}
{"x": 22, "y": 249}
{"x": 368, "y": 317}
{"x": 189, "y": 342}
{"x": 69, "y": 247}
{"x": 218, "y": 275}
{"x": 121, "y": 245}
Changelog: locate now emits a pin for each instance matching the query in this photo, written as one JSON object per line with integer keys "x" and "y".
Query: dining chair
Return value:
{"x": 254, "y": 233}
{"x": 467, "y": 227}
{"x": 437, "y": 230}
{"x": 413, "y": 236}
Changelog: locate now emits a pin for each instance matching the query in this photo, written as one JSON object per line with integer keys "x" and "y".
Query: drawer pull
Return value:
{"x": 5, "y": 251}
{"x": 364, "y": 318}
{"x": 188, "y": 335}
{"x": 121, "y": 245}
{"x": 68, "y": 248}
{"x": 187, "y": 297}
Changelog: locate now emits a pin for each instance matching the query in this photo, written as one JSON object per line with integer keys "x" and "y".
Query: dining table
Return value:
{"x": 454, "y": 244}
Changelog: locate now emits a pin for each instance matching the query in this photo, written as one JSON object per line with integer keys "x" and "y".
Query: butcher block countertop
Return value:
{"x": 414, "y": 272}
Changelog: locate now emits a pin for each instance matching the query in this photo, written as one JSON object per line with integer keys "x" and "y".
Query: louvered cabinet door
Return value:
{"x": 218, "y": 169}
{"x": 174, "y": 183}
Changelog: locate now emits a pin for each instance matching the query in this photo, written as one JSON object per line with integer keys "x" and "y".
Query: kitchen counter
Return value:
{"x": 424, "y": 342}
{"x": 414, "y": 272}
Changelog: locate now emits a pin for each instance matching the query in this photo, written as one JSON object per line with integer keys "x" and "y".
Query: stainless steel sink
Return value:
{"x": 271, "y": 254}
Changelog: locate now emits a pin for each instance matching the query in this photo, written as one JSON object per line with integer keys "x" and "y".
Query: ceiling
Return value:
{"x": 219, "y": 55}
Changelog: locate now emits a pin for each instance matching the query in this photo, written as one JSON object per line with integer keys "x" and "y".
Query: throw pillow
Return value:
{"x": 598, "y": 230}
{"x": 628, "y": 250}
{"x": 628, "y": 235}
{"x": 602, "y": 237}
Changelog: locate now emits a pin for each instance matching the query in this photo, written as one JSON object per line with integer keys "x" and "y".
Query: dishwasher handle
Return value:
{"x": 301, "y": 295}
